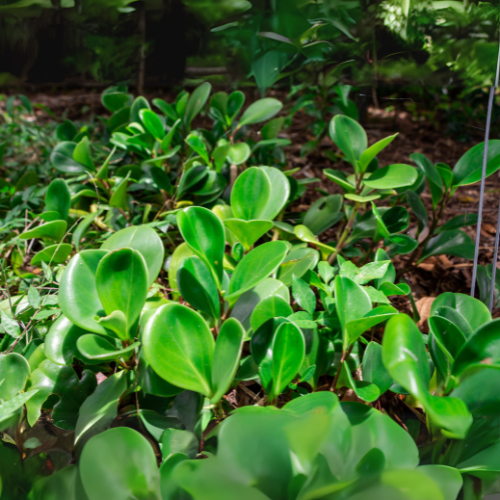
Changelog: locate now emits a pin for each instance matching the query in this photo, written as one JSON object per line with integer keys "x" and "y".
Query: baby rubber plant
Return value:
{"x": 367, "y": 182}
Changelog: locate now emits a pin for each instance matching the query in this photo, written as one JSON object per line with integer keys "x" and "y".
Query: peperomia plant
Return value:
{"x": 167, "y": 306}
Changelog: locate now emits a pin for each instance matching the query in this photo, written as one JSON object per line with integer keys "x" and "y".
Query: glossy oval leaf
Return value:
{"x": 280, "y": 192}
{"x": 350, "y": 138}
{"x": 98, "y": 347}
{"x": 51, "y": 230}
{"x": 145, "y": 240}
{"x": 227, "y": 355}
{"x": 58, "y": 198}
{"x": 251, "y": 194}
{"x": 60, "y": 342}
{"x": 248, "y": 232}
{"x": 451, "y": 242}
{"x": 203, "y": 232}
{"x": 53, "y": 254}
{"x": 122, "y": 285}
{"x": 78, "y": 295}
{"x": 392, "y": 176}
{"x": 259, "y": 111}
{"x": 14, "y": 373}
{"x": 179, "y": 346}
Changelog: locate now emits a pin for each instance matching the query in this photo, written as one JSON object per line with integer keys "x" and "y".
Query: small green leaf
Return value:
{"x": 269, "y": 308}
{"x": 54, "y": 254}
{"x": 14, "y": 373}
{"x": 152, "y": 123}
{"x": 227, "y": 355}
{"x": 58, "y": 198}
{"x": 203, "y": 232}
{"x": 196, "y": 102}
{"x": 373, "y": 368}
{"x": 248, "y": 232}
{"x": 119, "y": 197}
{"x": 339, "y": 178}
{"x": 369, "y": 154}
{"x": 260, "y": 111}
{"x": 97, "y": 347}
{"x": 122, "y": 285}
{"x": 82, "y": 154}
{"x": 288, "y": 352}
{"x": 54, "y": 230}
{"x": 11, "y": 326}
{"x": 239, "y": 153}
{"x": 255, "y": 266}
{"x": 303, "y": 295}
{"x": 451, "y": 242}
{"x": 251, "y": 194}
{"x": 350, "y": 138}
{"x": 195, "y": 142}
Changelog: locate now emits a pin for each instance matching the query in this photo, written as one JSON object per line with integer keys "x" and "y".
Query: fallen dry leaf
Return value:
{"x": 424, "y": 308}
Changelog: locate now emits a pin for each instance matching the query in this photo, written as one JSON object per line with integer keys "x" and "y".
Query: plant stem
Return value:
{"x": 345, "y": 355}
{"x": 345, "y": 234}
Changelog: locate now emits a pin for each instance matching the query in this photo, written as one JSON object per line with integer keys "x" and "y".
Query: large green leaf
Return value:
{"x": 369, "y": 154}
{"x": 227, "y": 355}
{"x": 100, "y": 409}
{"x": 350, "y": 138}
{"x": 432, "y": 174}
{"x": 269, "y": 308}
{"x": 483, "y": 347}
{"x": 288, "y": 351}
{"x": 374, "y": 370}
{"x": 179, "y": 346}
{"x": 405, "y": 357}
{"x": 60, "y": 342}
{"x": 357, "y": 327}
{"x": 468, "y": 169}
{"x": 392, "y": 176}
{"x": 451, "y": 242}
{"x": 152, "y": 123}
{"x": 122, "y": 286}
{"x": 14, "y": 372}
{"x": 251, "y": 194}
{"x": 197, "y": 286}
{"x": 119, "y": 464}
{"x": 58, "y": 198}
{"x": 259, "y": 111}
{"x": 78, "y": 296}
{"x": 204, "y": 234}
{"x": 254, "y": 267}
{"x": 145, "y": 240}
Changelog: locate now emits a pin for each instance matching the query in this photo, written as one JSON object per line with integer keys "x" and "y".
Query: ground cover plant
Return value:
{"x": 172, "y": 328}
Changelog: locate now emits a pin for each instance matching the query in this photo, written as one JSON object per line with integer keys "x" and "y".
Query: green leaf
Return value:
{"x": 254, "y": 267}
{"x": 418, "y": 209}
{"x": 447, "y": 335}
{"x": 226, "y": 358}
{"x": 146, "y": 241}
{"x": 152, "y": 123}
{"x": 78, "y": 296}
{"x": 392, "y": 176}
{"x": 62, "y": 159}
{"x": 357, "y": 327}
{"x": 203, "y": 232}
{"x": 339, "y": 178}
{"x": 432, "y": 174}
{"x": 405, "y": 357}
{"x": 361, "y": 199}
{"x": 167, "y": 140}
{"x": 11, "y": 326}
{"x": 54, "y": 254}
{"x": 483, "y": 347}
{"x": 352, "y": 303}
{"x": 195, "y": 141}
{"x": 54, "y": 230}
{"x": 58, "y": 198}
{"x": 251, "y": 194}
{"x": 97, "y": 347}
{"x": 14, "y": 372}
{"x": 260, "y": 111}
{"x": 303, "y": 295}
{"x": 269, "y": 308}
{"x": 179, "y": 346}
{"x": 66, "y": 131}
{"x": 179, "y": 441}
{"x": 235, "y": 102}
{"x": 122, "y": 285}
{"x": 196, "y": 102}
{"x": 323, "y": 213}
{"x": 10, "y": 407}
{"x": 119, "y": 463}
{"x": 458, "y": 222}
{"x": 350, "y": 138}
{"x": 451, "y": 242}
{"x": 239, "y": 153}
{"x": 82, "y": 154}
{"x": 81, "y": 229}
{"x": 468, "y": 169}
{"x": 363, "y": 389}
{"x": 369, "y": 154}
{"x": 288, "y": 352}
{"x": 151, "y": 382}
{"x": 280, "y": 192}
{"x": 60, "y": 342}
{"x": 138, "y": 104}
{"x": 248, "y": 232}
{"x": 100, "y": 409}
{"x": 305, "y": 234}
{"x": 119, "y": 197}
{"x": 33, "y": 297}
{"x": 373, "y": 368}
{"x": 197, "y": 286}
